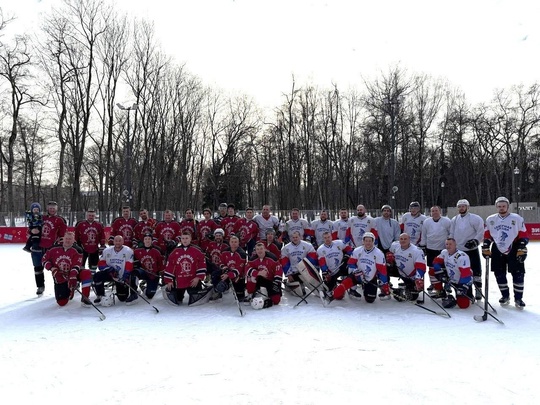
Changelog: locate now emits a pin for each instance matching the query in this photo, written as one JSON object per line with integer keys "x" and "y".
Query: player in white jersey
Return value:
{"x": 292, "y": 254}
{"x": 387, "y": 229}
{"x": 359, "y": 225}
{"x": 266, "y": 221}
{"x": 407, "y": 262}
{"x": 366, "y": 268}
{"x": 115, "y": 264}
{"x": 333, "y": 256}
{"x": 507, "y": 236}
{"x": 320, "y": 226}
{"x": 468, "y": 231}
{"x": 435, "y": 231}
{"x": 297, "y": 224}
{"x": 454, "y": 267}
{"x": 411, "y": 222}
{"x": 341, "y": 226}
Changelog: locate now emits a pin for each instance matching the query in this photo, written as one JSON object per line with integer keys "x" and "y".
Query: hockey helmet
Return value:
{"x": 368, "y": 235}
{"x": 261, "y": 302}
{"x": 107, "y": 300}
{"x": 502, "y": 199}
{"x": 463, "y": 201}
{"x": 220, "y": 231}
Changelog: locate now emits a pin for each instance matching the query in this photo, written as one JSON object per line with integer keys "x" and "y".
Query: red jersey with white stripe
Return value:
{"x": 123, "y": 227}
{"x": 183, "y": 265}
{"x": 165, "y": 232}
{"x": 150, "y": 259}
{"x": 505, "y": 230}
{"x": 54, "y": 227}
{"x": 63, "y": 259}
{"x": 234, "y": 262}
{"x": 90, "y": 235}
{"x": 275, "y": 273}
{"x": 246, "y": 230}
{"x": 214, "y": 250}
{"x": 142, "y": 228}
{"x": 228, "y": 225}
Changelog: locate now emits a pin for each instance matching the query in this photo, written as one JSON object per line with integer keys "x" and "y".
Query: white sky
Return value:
{"x": 255, "y": 46}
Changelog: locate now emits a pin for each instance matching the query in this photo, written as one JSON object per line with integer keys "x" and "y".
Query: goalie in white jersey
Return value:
{"x": 507, "y": 237}
{"x": 292, "y": 257}
{"x": 366, "y": 267}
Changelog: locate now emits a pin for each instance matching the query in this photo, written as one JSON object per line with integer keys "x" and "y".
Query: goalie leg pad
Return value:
{"x": 199, "y": 297}
{"x": 309, "y": 275}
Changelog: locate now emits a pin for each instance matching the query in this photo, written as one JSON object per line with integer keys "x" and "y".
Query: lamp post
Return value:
{"x": 516, "y": 187}
{"x": 394, "y": 191}
{"x": 127, "y": 173}
{"x": 442, "y": 196}
{"x": 393, "y": 104}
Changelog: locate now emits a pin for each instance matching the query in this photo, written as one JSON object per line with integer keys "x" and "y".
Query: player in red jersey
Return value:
{"x": 52, "y": 231}
{"x": 263, "y": 272}
{"x": 123, "y": 226}
{"x": 167, "y": 233}
{"x": 214, "y": 250}
{"x": 247, "y": 231}
{"x": 185, "y": 272}
{"x": 90, "y": 235}
{"x": 65, "y": 264}
{"x": 148, "y": 265}
{"x": 233, "y": 267}
{"x": 145, "y": 226}
{"x": 191, "y": 225}
{"x": 228, "y": 224}
{"x": 207, "y": 226}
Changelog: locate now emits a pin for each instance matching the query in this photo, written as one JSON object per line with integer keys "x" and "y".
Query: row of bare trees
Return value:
{"x": 397, "y": 137}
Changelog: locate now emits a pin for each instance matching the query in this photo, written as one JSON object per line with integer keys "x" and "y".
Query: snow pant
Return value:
{"x": 501, "y": 264}
{"x": 38, "y": 268}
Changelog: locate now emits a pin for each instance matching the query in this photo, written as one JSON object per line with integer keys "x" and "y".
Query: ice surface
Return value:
{"x": 353, "y": 352}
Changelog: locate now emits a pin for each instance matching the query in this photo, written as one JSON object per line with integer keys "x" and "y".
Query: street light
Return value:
{"x": 516, "y": 187}
{"x": 394, "y": 191}
{"x": 127, "y": 173}
{"x": 442, "y": 196}
{"x": 393, "y": 104}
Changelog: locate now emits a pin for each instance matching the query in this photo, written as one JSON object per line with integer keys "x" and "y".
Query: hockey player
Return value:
{"x": 65, "y": 262}
{"x": 52, "y": 231}
{"x": 207, "y": 226}
{"x": 272, "y": 245}
{"x": 90, "y": 236}
{"x": 435, "y": 231}
{"x": 332, "y": 257}
{"x": 34, "y": 220}
{"x": 299, "y": 225}
{"x": 452, "y": 266}
{"x": 407, "y": 262}
{"x": 359, "y": 225}
{"x": 291, "y": 255}
{"x": 320, "y": 226}
{"x": 222, "y": 213}
{"x": 468, "y": 231}
{"x": 340, "y": 228}
{"x": 228, "y": 223}
{"x": 148, "y": 265}
{"x": 167, "y": 233}
{"x": 185, "y": 272}
{"x": 247, "y": 231}
{"x": 191, "y": 225}
{"x": 144, "y": 227}
{"x": 116, "y": 264}
{"x": 411, "y": 222}
{"x": 388, "y": 230}
{"x": 263, "y": 277}
{"x": 266, "y": 221}
{"x": 123, "y": 226}
{"x": 366, "y": 268}
{"x": 505, "y": 242}
{"x": 214, "y": 250}
{"x": 233, "y": 268}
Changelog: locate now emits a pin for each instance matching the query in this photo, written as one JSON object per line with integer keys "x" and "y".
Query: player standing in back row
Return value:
{"x": 507, "y": 236}
{"x": 411, "y": 222}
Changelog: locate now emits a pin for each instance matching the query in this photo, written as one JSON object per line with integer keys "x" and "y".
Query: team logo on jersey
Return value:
{"x": 513, "y": 222}
{"x": 503, "y": 237}
{"x": 46, "y": 230}
{"x": 185, "y": 267}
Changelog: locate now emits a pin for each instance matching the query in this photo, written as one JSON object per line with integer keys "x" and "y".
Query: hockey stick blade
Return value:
{"x": 236, "y": 300}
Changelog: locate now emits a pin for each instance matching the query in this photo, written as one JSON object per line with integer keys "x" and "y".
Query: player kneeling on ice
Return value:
{"x": 263, "y": 279}
{"x": 333, "y": 257}
{"x": 366, "y": 267}
{"x": 185, "y": 272}
{"x": 65, "y": 264}
{"x": 292, "y": 260}
{"x": 233, "y": 267}
{"x": 406, "y": 261}
{"x": 116, "y": 264}
{"x": 456, "y": 273}
{"x": 148, "y": 265}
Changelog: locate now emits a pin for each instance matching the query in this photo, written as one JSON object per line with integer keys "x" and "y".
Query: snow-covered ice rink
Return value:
{"x": 351, "y": 352}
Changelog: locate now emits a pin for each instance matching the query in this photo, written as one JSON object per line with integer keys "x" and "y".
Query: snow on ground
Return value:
{"x": 386, "y": 352}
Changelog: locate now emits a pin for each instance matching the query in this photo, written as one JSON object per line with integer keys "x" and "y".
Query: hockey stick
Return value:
{"x": 401, "y": 299}
{"x": 102, "y": 315}
{"x": 439, "y": 305}
{"x": 482, "y": 318}
{"x": 236, "y": 299}
{"x": 479, "y": 306}
{"x": 139, "y": 294}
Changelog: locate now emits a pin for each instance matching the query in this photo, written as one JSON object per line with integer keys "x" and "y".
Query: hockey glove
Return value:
{"x": 360, "y": 277}
{"x": 471, "y": 244}
{"x": 486, "y": 252}
{"x": 72, "y": 282}
{"x": 461, "y": 289}
{"x": 276, "y": 287}
{"x": 171, "y": 244}
{"x": 521, "y": 253}
{"x": 419, "y": 284}
{"x": 327, "y": 276}
{"x": 125, "y": 276}
{"x": 59, "y": 277}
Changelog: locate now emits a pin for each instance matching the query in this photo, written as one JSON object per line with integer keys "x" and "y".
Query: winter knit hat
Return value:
{"x": 35, "y": 205}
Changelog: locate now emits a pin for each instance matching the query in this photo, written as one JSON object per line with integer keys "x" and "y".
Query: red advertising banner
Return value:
{"x": 18, "y": 234}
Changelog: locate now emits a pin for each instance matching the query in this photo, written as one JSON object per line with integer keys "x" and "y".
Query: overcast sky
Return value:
{"x": 255, "y": 46}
